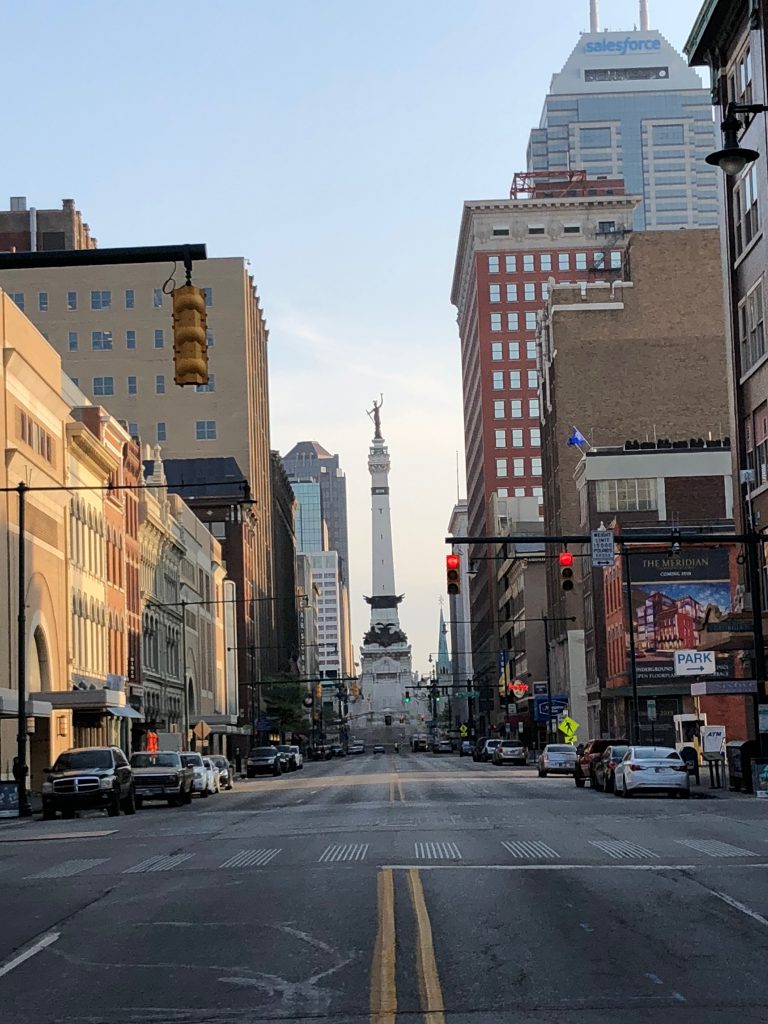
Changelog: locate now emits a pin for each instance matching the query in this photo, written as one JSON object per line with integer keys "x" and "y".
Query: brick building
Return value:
{"x": 26, "y": 229}
{"x": 642, "y": 357}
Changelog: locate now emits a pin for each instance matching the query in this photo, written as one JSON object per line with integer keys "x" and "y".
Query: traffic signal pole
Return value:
{"x": 632, "y": 659}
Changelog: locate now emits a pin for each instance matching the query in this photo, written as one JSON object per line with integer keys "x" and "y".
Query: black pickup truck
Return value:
{"x": 88, "y": 777}
{"x": 162, "y": 776}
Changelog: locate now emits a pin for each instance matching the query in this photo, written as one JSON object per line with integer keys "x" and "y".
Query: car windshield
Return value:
{"x": 262, "y": 752}
{"x": 74, "y": 759}
{"x": 655, "y": 754}
{"x": 161, "y": 760}
{"x": 192, "y": 760}
{"x": 617, "y": 751}
{"x": 511, "y": 744}
{"x": 492, "y": 743}
{"x": 284, "y": 748}
{"x": 560, "y": 748}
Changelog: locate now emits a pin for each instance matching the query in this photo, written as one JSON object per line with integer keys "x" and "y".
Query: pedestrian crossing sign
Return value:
{"x": 568, "y": 727}
{"x": 463, "y": 730}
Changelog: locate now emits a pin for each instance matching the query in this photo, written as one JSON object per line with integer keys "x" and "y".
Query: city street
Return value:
{"x": 390, "y": 888}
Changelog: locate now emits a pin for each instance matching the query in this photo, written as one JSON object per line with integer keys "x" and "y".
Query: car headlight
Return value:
{"x": 105, "y": 782}
{"x": 47, "y": 787}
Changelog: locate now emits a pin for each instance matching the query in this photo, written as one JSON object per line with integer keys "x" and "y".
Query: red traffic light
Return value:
{"x": 566, "y": 558}
{"x": 452, "y": 561}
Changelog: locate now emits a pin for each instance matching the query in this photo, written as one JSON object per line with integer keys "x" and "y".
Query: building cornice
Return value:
{"x": 87, "y": 448}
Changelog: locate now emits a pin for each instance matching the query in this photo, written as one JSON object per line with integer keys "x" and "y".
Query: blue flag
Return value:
{"x": 577, "y": 439}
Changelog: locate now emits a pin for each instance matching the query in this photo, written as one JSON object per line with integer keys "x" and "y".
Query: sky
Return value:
{"x": 332, "y": 144}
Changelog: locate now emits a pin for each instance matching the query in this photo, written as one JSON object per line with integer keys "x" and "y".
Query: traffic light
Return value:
{"x": 437, "y": 696}
{"x": 566, "y": 570}
{"x": 190, "y": 344}
{"x": 453, "y": 574}
{"x": 407, "y": 697}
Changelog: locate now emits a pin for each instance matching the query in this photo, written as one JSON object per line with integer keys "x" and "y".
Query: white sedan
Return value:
{"x": 214, "y": 775}
{"x": 652, "y": 768}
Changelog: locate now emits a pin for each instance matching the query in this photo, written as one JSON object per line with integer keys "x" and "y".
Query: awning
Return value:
{"x": 718, "y": 687}
{"x": 9, "y": 705}
{"x": 126, "y": 712}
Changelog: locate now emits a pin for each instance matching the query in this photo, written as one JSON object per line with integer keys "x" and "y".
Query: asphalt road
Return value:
{"x": 391, "y": 889}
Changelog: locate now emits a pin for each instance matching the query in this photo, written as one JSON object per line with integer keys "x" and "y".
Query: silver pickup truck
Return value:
{"x": 162, "y": 776}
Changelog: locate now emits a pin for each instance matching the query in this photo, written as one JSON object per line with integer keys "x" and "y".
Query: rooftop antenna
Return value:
{"x": 644, "y": 26}
{"x": 594, "y": 17}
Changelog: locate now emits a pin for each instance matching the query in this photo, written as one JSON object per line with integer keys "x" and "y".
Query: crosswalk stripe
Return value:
{"x": 164, "y": 863}
{"x": 622, "y": 849}
{"x": 343, "y": 852}
{"x": 533, "y": 848}
{"x": 437, "y": 851}
{"x": 68, "y": 868}
{"x": 251, "y": 858}
{"x": 714, "y": 848}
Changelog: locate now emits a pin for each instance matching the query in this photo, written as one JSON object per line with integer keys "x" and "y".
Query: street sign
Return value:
{"x": 650, "y": 710}
{"x": 541, "y": 707}
{"x": 511, "y": 709}
{"x": 602, "y": 549}
{"x": 695, "y": 663}
{"x": 202, "y": 731}
{"x": 540, "y": 689}
{"x": 463, "y": 730}
{"x": 568, "y": 727}
{"x": 730, "y": 626}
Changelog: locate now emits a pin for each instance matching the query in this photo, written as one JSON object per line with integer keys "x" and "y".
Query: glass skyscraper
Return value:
{"x": 626, "y": 105}
{"x": 310, "y": 529}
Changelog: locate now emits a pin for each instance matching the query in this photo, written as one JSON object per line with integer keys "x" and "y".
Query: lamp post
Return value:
{"x": 733, "y": 158}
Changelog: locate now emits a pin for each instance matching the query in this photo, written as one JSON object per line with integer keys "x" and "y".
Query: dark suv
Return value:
{"x": 162, "y": 776}
{"x": 587, "y": 756}
{"x": 87, "y": 777}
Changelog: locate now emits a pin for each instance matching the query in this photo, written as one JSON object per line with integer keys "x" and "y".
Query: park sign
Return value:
{"x": 695, "y": 663}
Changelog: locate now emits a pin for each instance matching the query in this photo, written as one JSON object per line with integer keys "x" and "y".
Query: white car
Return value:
{"x": 652, "y": 768}
{"x": 201, "y": 782}
{"x": 214, "y": 775}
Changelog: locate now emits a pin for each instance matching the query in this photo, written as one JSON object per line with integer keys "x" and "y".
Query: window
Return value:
{"x": 519, "y": 492}
{"x": 668, "y": 135}
{"x": 72, "y": 341}
{"x": 528, "y": 264}
{"x": 595, "y": 138}
{"x": 751, "y": 331}
{"x": 581, "y": 261}
{"x": 42, "y": 302}
{"x": 510, "y": 264}
{"x": 598, "y": 260}
{"x": 535, "y": 437}
{"x": 545, "y": 261}
{"x": 493, "y": 264}
{"x": 498, "y": 409}
{"x": 494, "y": 293}
{"x": 514, "y": 379}
{"x": 500, "y": 230}
{"x": 530, "y": 321}
{"x": 202, "y": 389}
{"x": 513, "y": 349}
{"x": 533, "y": 378}
{"x": 101, "y": 341}
{"x": 533, "y": 408}
{"x": 208, "y": 293}
{"x": 103, "y": 385}
{"x": 501, "y": 467}
{"x": 157, "y": 298}
{"x": 71, "y": 300}
{"x": 159, "y": 384}
{"x": 496, "y": 352}
{"x": 513, "y": 321}
{"x": 516, "y": 409}
{"x": 536, "y": 467}
{"x": 615, "y": 260}
{"x": 518, "y": 467}
{"x": 606, "y": 227}
{"x": 503, "y": 492}
{"x": 133, "y": 429}
{"x": 133, "y": 387}
{"x": 101, "y": 300}
{"x": 535, "y": 229}
{"x": 572, "y": 229}
{"x": 209, "y": 339}
{"x": 130, "y": 298}
{"x": 517, "y": 438}
{"x": 745, "y": 209}
{"x": 498, "y": 380}
{"x": 545, "y": 290}
{"x": 511, "y": 293}
{"x": 160, "y": 432}
{"x": 626, "y": 495}
{"x": 740, "y": 78}
{"x": 761, "y": 445}
{"x": 501, "y": 438}
{"x": 130, "y": 339}
{"x": 18, "y": 298}
{"x": 159, "y": 338}
{"x": 530, "y": 292}
{"x": 495, "y": 321}
{"x": 563, "y": 261}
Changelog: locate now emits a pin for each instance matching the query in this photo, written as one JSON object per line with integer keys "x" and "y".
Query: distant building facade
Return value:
{"x": 24, "y": 228}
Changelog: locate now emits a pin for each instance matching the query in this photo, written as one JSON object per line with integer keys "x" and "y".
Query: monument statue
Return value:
{"x": 375, "y": 415}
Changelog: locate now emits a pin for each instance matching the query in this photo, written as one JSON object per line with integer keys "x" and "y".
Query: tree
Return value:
{"x": 283, "y": 696}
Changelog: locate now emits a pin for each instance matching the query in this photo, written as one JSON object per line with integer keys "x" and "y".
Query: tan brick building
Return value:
{"x": 26, "y": 229}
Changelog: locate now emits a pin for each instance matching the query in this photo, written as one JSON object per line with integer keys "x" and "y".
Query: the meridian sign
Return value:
{"x": 695, "y": 663}
{"x": 620, "y": 47}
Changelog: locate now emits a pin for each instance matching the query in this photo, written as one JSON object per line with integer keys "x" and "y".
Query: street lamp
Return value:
{"x": 733, "y": 158}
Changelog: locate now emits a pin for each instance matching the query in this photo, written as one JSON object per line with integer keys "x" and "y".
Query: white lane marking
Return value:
{"x": 437, "y": 851}
{"x": 166, "y": 863}
{"x": 251, "y": 858}
{"x": 343, "y": 852}
{"x": 742, "y": 907}
{"x": 622, "y": 849}
{"x": 37, "y": 947}
{"x": 714, "y": 848}
{"x": 679, "y": 998}
{"x": 556, "y": 867}
{"x": 533, "y": 848}
{"x": 655, "y": 979}
{"x": 68, "y": 868}
{"x": 58, "y": 836}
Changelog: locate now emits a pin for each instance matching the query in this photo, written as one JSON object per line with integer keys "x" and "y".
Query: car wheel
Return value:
{"x": 113, "y": 808}
{"x": 188, "y": 797}
{"x": 579, "y": 781}
{"x": 68, "y": 814}
{"x": 542, "y": 774}
{"x": 616, "y": 790}
{"x": 139, "y": 802}
{"x": 205, "y": 792}
{"x": 129, "y": 804}
{"x": 624, "y": 791}
{"x": 608, "y": 786}
{"x": 49, "y": 813}
{"x": 685, "y": 794}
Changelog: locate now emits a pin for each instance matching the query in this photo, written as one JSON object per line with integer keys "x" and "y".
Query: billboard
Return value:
{"x": 671, "y": 594}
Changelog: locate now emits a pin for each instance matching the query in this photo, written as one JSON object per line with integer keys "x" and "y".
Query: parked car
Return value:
{"x": 605, "y": 767}
{"x": 442, "y": 747}
{"x": 466, "y": 747}
{"x": 226, "y": 772}
{"x": 337, "y": 750}
{"x": 356, "y": 747}
{"x": 587, "y": 755}
{"x": 264, "y": 761}
{"x": 419, "y": 742}
{"x": 87, "y": 777}
{"x": 485, "y": 749}
{"x": 214, "y": 777}
{"x": 290, "y": 756}
{"x": 652, "y": 768}
{"x": 161, "y": 776}
{"x": 201, "y": 782}
{"x": 379, "y": 749}
{"x": 557, "y": 759}
{"x": 510, "y": 752}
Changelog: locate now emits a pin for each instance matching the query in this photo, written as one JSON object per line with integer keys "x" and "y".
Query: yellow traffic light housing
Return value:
{"x": 190, "y": 345}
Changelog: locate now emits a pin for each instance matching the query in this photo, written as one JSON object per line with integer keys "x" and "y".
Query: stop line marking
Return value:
{"x": 715, "y": 848}
{"x": 167, "y": 863}
{"x": 622, "y": 849}
{"x": 343, "y": 852}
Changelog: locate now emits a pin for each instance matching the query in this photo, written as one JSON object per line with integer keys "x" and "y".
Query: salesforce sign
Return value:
{"x": 623, "y": 46}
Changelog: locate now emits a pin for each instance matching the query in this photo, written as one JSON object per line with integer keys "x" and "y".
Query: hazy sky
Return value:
{"x": 332, "y": 143}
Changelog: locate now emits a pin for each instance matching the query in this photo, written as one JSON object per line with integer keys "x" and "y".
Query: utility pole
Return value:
{"x": 25, "y": 810}
{"x": 635, "y": 737}
{"x": 545, "y": 620}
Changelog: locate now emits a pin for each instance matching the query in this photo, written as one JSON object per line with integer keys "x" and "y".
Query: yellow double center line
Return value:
{"x": 383, "y": 1000}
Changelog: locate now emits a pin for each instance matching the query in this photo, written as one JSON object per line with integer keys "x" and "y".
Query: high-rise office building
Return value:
{"x": 626, "y": 105}
{"x": 308, "y": 460}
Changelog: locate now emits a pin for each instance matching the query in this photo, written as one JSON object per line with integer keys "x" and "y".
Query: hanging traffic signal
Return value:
{"x": 190, "y": 344}
{"x": 453, "y": 574}
{"x": 566, "y": 570}
{"x": 407, "y": 697}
